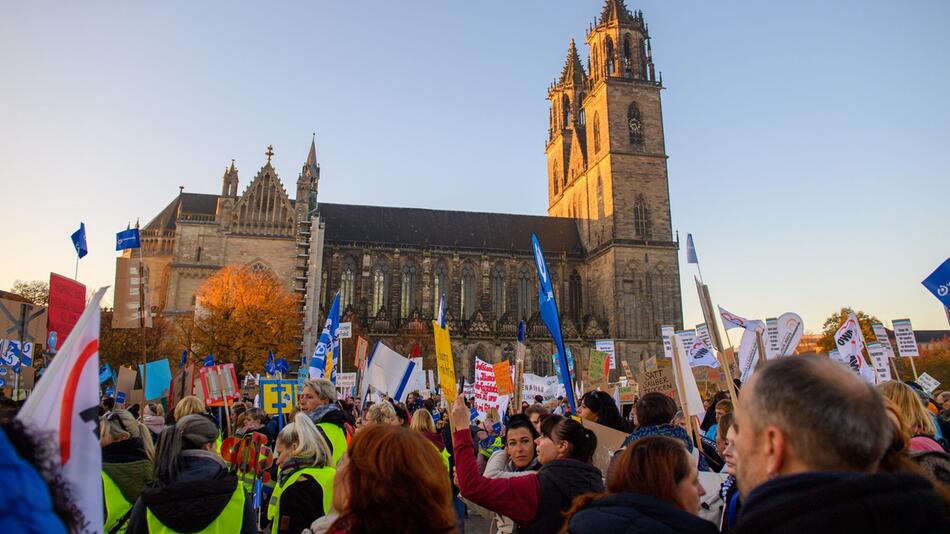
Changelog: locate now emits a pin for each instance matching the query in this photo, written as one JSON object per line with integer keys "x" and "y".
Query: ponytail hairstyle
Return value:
{"x": 582, "y": 441}
{"x": 191, "y": 432}
{"x": 187, "y": 406}
{"x": 306, "y": 440}
{"x": 121, "y": 425}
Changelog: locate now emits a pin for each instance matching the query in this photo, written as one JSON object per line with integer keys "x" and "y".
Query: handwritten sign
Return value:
{"x": 661, "y": 381}
{"x": 503, "y": 381}
{"x": 597, "y": 367}
{"x": 607, "y": 345}
{"x": 486, "y": 391}
{"x": 444, "y": 362}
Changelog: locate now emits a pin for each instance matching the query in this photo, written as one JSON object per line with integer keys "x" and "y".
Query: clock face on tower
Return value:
{"x": 636, "y": 128}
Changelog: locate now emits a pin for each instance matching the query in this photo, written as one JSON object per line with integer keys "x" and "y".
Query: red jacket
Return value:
{"x": 515, "y": 497}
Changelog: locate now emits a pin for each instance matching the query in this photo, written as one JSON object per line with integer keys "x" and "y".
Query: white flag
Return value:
{"x": 848, "y": 338}
{"x": 731, "y": 320}
{"x": 699, "y": 354}
{"x": 749, "y": 349}
{"x": 389, "y": 372}
{"x": 690, "y": 395}
{"x": 65, "y": 404}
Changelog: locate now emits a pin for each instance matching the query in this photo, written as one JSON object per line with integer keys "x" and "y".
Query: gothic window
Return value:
{"x": 467, "y": 284}
{"x": 379, "y": 288}
{"x": 629, "y": 310}
{"x": 609, "y": 53}
{"x": 408, "y": 297}
{"x": 439, "y": 287}
{"x": 525, "y": 294}
{"x": 582, "y": 118}
{"x": 557, "y": 180}
{"x": 498, "y": 292}
{"x": 596, "y": 133}
{"x": 635, "y": 124}
{"x": 323, "y": 287}
{"x": 574, "y": 287}
{"x": 641, "y": 218}
{"x": 600, "y": 198}
{"x": 256, "y": 267}
{"x": 347, "y": 281}
{"x": 627, "y": 53}
{"x": 643, "y": 60}
{"x": 566, "y": 107}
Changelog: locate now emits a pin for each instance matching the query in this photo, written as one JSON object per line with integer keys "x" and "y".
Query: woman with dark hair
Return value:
{"x": 653, "y": 487}
{"x": 534, "y": 501}
{"x": 194, "y": 491}
{"x": 599, "y": 407}
{"x": 392, "y": 480}
{"x": 516, "y": 459}
{"x": 655, "y": 413}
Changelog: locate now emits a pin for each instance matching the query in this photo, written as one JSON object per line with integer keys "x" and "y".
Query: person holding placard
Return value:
{"x": 655, "y": 413}
{"x": 599, "y": 407}
{"x": 518, "y": 458}
{"x": 318, "y": 399}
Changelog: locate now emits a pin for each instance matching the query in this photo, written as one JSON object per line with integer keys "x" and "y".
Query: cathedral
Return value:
{"x": 607, "y": 235}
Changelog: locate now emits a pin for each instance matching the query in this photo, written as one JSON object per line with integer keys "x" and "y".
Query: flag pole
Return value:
{"x": 142, "y": 329}
{"x": 76, "y": 272}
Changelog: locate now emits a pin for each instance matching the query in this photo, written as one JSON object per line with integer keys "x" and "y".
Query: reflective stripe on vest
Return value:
{"x": 229, "y": 521}
{"x": 337, "y": 440}
{"x": 116, "y": 505}
{"x": 323, "y": 476}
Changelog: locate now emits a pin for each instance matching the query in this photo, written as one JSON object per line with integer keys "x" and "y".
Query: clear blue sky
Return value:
{"x": 808, "y": 141}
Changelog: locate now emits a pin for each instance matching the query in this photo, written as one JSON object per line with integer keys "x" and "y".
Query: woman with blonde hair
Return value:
{"x": 919, "y": 422}
{"x": 423, "y": 423}
{"x": 305, "y": 477}
{"x": 127, "y": 454}
{"x": 381, "y": 413}
{"x": 189, "y": 405}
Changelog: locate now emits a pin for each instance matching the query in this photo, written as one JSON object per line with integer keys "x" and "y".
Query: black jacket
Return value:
{"x": 559, "y": 482}
{"x": 127, "y": 465}
{"x": 193, "y": 501}
{"x": 843, "y": 502}
{"x": 630, "y": 513}
{"x": 300, "y": 505}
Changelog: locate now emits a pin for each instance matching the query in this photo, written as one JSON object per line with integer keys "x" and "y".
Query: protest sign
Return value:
{"x": 880, "y": 333}
{"x": 927, "y": 382}
{"x": 790, "y": 331}
{"x": 629, "y": 372}
{"x": 938, "y": 283}
{"x": 219, "y": 384}
{"x": 607, "y": 346}
{"x": 906, "y": 342}
{"x": 702, "y": 332}
{"x": 609, "y": 441}
{"x": 126, "y": 380}
{"x": 157, "y": 380}
{"x": 666, "y": 333}
{"x": 182, "y": 384}
{"x": 771, "y": 346}
{"x": 597, "y": 367}
{"x": 346, "y": 381}
{"x": 628, "y": 393}
{"x": 533, "y": 385}
{"x": 278, "y": 396}
{"x": 67, "y": 299}
{"x": 879, "y": 361}
{"x": 361, "y": 346}
{"x": 136, "y": 396}
{"x": 650, "y": 364}
{"x": 749, "y": 350}
{"x": 848, "y": 337}
{"x": 486, "y": 392}
{"x": 345, "y": 330}
{"x": 502, "y": 371}
{"x": 131, "y": 294}
{"x": 661, "y": 380}
{"x": 444, "y": 362}
{"x": 13, "y": 312}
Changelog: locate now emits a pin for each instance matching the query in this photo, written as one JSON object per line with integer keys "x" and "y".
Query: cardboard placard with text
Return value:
{"x": 662, "y": 381}
{"x": 598, "y": 367}
{"x": 219, "y": 383}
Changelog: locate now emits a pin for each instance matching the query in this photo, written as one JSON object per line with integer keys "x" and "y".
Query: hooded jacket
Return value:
{"x": 193, "y": 500}
{"x": 630, "y": 513}
{"x": 30, "y": 507}
{"x": 534, "y": 501}
{"x": 127, "y": 465}
{"x": 843, "y": 502}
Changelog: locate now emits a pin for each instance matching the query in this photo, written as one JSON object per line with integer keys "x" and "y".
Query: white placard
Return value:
{"x": 906, "y": 342}
{"x": 703, "y": 333}
{"x": 881, "y": 334}
{"x": 666, "y": 332}
{"x": 879, "y": 361}
{"x": 606, "y": 345}
{"x": 927, "y": 382}
{"x": 771, "y": 326}
{"x": 344, "y": 330}
{"x": 346, "y": 380}
{"x": 486, "y": 392}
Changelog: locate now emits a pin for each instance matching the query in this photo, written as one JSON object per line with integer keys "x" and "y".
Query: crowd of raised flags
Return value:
{"x": 64, "y": 404}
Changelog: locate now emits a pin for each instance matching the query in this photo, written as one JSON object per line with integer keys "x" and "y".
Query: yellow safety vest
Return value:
{"x": 323, "y": 476}
{"x": 229, "y": 521}
{"x": 116, "y": 504}
{"x": 337, "y": 440}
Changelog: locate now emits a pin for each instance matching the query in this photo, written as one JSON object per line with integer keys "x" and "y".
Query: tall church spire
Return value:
{"x": 312, "y": 156}
{"x": 307, "y": 183}
{"x": 573, "y": 70}
{"x": 615, "y": 11}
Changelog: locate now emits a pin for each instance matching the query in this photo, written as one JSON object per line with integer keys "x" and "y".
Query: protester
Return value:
{"x": 30, "y": 470}
{"x": 189, "y": 405}
{"x": 252, "y": 420}
{"x": 708, "y": 446}
{"x": 194, "y": 490}
{"x": 943, "y": 404}
{"x": 599, "y": 407}
{"x": 655, "y": 413}
{"x": 722, "y": 407}
{"x": 154, "y": 419}
{"x": 380, "y": 413}
{"x": 534, "y": 501}
{"x": 810, "y": 435}
{"x": 725, "y": 423}
{"x": 518, "y": 458}
{"x": 402, "y": 414}
{"x": 653, "y": 486}
{"x": 709, "y": 419}
{"x": 391, "y": 480}
{"x": 127, "y": 453}
{"x": 534, "y": 413}
{"x": 919, "y": 421}
{"x": 422, "y": 422}
{"x": 318, "y": 400}
{"x": 304, "y": 490}
{"x": 899, "y": 459}
{"x": 729, "y": 490}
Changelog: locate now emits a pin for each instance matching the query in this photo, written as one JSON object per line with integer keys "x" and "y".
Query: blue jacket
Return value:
{"x": 31, "y": 509}
{"x": 630, "y": 513}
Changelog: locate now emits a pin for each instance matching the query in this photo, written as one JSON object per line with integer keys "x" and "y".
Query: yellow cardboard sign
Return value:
{"x": 278, "y": 396}
{"x": 443, "y": 355}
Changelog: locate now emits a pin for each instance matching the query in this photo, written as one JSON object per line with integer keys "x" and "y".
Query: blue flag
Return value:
{"x": 128, "y": 238}
{"x": 441, "y": 316}
{"x": 521, "y": 331}
{"x": 691, "y": 250}
{"x": 105, "y": 374}
{"x": 269, "y": 364}
{"x": 79, "y": 240}
{"x": 548, "y": 310}
{"x": 281, "y": 365}
{"x": 209, "y": 360}
{"x": 256, "y": 498}
{"x": 938, "y": 283}
{"x": 184, "y": 359}
{"x": 327, "y": 343}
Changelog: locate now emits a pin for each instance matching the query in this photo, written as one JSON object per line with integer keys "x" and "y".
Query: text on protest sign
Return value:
{"x": 906, "y": 342}
{"x": 879, "y": 361}
{"x": 661, "y": 381}
{"x": 927, "y": 382}
{"x": 666, "y": 332}
{"x": 278, "y": 396}
{"x": 607, "y": 346}
{"x": 444, "y": 361}
{"x": 503, "y": 383}
{"x": 486, "y": 391}
{"x": 219, "y": 383}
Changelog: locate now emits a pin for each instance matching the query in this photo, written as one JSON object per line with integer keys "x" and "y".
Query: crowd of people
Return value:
{"x": 809, "y": 447}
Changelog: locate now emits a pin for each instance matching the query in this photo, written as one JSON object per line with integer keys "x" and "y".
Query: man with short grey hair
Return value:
{"x": 810, "y": 437}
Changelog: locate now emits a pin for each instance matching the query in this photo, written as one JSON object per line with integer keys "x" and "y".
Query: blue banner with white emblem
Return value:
{"x": 547, "y": 306}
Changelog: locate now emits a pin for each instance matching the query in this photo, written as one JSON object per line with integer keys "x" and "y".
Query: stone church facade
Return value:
{"x": 607, "y": 237}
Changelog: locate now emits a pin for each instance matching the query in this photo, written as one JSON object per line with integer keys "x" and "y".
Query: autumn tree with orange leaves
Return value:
{"x": 241, "y": 314}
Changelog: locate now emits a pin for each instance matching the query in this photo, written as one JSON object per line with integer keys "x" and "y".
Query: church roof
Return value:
{"x": 573, "y": 70}
{"x": 193, "y": 203}
{"x": 346, "y": 223}
{"x": 615, "y": 10}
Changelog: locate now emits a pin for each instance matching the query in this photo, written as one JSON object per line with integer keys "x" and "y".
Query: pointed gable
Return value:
{"x": 264, "y": 208}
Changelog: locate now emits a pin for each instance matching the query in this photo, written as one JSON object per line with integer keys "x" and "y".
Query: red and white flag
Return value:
{"x": 848, "y": 338}
{"x": 65, "y": 404}
{"x": 731, "y": 320}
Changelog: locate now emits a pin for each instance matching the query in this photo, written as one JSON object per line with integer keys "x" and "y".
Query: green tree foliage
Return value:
{"x": 36, "y": 291}
{"x": 827, "y": 341}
